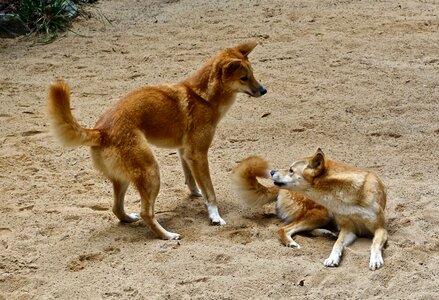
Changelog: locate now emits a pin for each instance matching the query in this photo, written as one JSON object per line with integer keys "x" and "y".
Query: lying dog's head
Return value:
{"x": 237, "y": 73}
{"x": 301, "y": 173}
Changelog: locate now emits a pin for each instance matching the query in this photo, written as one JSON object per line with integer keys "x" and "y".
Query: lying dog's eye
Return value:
{"x": 244, "y": 78}
{"x": 291, "y": 170}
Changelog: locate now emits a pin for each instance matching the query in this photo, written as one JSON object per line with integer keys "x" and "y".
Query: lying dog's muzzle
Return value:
{"x": 275, "y": 182}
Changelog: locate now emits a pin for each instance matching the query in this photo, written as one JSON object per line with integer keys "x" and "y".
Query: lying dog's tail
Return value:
{"x": 245, "y": 181}
{"x": 64, "y": 126}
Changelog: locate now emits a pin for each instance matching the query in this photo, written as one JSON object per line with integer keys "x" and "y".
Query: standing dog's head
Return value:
{"x": 301, "y": 173}
{"x": 237, "y": 73}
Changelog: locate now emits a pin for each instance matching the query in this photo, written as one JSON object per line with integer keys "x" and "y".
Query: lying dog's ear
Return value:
{"x": 320, "y": 151}
{"x": 317, "y": 163}
{"x": 246, "y": 48}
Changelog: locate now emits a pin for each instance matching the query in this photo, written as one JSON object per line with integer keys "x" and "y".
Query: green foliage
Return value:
{"x": 48, "y": 17}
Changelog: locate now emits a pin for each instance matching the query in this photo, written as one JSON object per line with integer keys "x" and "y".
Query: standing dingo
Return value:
{"x": 182, "y": 116}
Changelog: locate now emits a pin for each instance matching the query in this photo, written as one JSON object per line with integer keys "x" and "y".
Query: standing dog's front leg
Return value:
{"x": 199, "y": 166}
{"x": 188, "y": 178}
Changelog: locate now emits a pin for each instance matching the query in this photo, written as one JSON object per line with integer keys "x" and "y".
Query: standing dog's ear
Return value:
{"x": 231, "y": 67}
{"x": 246, "y": 48}
{"x": 317, "y": 163}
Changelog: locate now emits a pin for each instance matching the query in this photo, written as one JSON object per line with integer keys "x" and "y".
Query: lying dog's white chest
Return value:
{"x": 342, "y": 203}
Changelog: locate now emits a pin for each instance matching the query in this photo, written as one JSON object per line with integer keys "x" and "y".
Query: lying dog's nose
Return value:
{"x": 272, "y": 172}
{"x": 262, "y": 90}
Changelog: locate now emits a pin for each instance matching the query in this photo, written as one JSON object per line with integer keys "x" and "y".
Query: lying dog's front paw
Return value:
{"x": 332, "y": 261}
{"x": 218, "y": 221}
{"x": 293, "y": 244}
{"x": 171, "y": 236}
{"x": 376, "y": 261}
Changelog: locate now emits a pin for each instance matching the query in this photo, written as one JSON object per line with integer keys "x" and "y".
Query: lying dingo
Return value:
{"x": 356, "y": 197}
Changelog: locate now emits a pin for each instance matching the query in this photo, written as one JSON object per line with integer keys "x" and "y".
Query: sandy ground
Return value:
{"x": 358, "y": 78}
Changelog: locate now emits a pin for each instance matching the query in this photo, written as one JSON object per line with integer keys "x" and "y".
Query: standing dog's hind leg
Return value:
{"x": 148, "y": 185}
{"x": 119, "y": 189}
{"x": 145, "y": 175}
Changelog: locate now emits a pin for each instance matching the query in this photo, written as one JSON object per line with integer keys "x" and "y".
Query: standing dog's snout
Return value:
{"x": 257, "y": 90}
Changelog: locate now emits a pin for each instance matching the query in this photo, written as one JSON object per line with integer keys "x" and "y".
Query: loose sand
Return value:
{"x": 358, "y": 78}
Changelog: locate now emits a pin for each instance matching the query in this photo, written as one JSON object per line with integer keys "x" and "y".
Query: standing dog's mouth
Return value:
{"x": 260, "y": 92}
{"x": 277, "y": 183}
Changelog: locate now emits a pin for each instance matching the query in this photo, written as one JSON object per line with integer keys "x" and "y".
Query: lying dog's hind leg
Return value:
{"x": 376, "y": 257}
{"x": 321, "y": 232}
{"x": 188, "y": 178}
{"x": 308, "y": 224}
{"x": 286, "y": 233}
{"x": 305, "y": 220}
{"x": 119, "y": 189}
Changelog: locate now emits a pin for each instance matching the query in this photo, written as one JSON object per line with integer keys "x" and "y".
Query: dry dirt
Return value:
{"x": 358, "y": 78}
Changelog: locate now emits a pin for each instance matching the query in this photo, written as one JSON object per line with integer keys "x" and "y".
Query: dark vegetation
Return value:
{"x": 46, "y": 18}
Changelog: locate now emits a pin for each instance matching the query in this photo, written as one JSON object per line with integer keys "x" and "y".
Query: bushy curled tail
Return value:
{"x": 245, "y": 182}
{"x": 64, "y": 126}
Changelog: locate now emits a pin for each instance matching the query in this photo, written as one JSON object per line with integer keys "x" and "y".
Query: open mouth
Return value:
{"x": 256, "y": 94}
{"x": 277, "y": 183}
{"x": 250, "y": 94}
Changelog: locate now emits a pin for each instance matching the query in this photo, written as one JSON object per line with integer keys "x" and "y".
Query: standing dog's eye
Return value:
{"x": 244, "y": 78}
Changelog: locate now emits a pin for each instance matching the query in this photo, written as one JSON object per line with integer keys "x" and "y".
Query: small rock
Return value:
{"x": 12, "y": 26}
{"x": 71, "y": 8}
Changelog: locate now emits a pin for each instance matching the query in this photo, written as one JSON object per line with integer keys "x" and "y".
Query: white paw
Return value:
{"x": 195, "y": 192}
{"x": 293, "y": 244}
{"x": 376, "y": 261}
{"x": 172, "y": 236}
{"x": 218, "y": 221}
{"x": 214, "y": 215}
{"x": 332, "y": 261}
{"x": 130, "y": 218}
{"x": 134, "y": 216}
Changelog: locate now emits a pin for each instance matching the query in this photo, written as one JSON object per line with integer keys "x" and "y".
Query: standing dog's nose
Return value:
{"x": 262, "y": 90}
